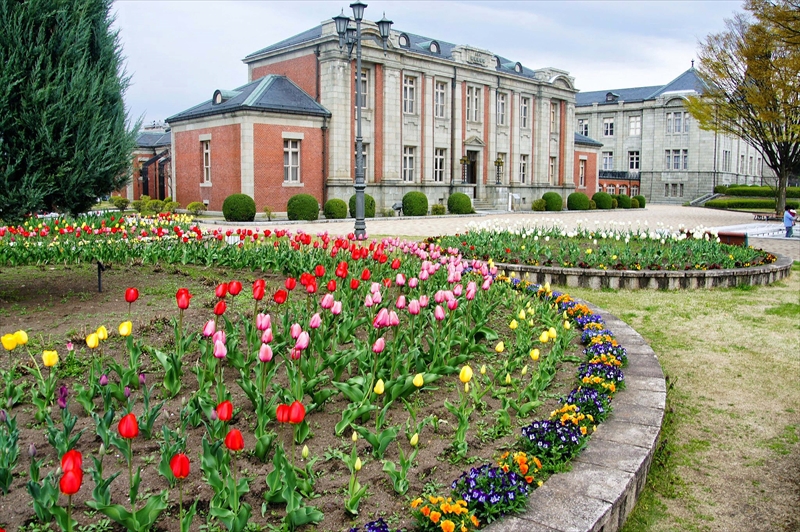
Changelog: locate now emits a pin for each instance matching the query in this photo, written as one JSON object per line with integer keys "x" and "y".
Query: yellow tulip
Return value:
{"x": 513, "y": 325}
{"x": 551, "y": 332}
{"x": 500, "y": 347}
{"x": 530, "y": 322}
{"x": 9, "y": 341}
{"x": 544, "y": 337}
{"x": 466, "y": 387}
{"x": 92, "y": 341}
{"x": 508, "y": 378}
{"x": 567, "y": 325}
{"x": 125, "y": 328}
{"x": 304, "y": 454}
{"x": 357, "y": 465}
{"x": 102, "y": 333}
{"x": 521, "y": 314}
{"x": 534, "y": 354}
{"x": 565, "y": 314}
{"x": 414, "y": 440}
{"x": 466, "y": 374}
{"x": 525, "y": 369}
{"x": 483, "y": 369}
{"x": 50, "y": 358}
{"x": 547, "y": 287}
{"x": 354, "y": 437}
{"x": 379, "y": 387}
{"x": 21, "y": 337}
{"x": 418, "y": 380}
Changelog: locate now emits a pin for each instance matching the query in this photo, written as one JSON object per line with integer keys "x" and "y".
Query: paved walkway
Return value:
{"x": 655, "y": 216}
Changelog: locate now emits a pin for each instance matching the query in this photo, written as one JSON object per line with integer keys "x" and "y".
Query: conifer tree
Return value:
{"x": 64, "y": 132}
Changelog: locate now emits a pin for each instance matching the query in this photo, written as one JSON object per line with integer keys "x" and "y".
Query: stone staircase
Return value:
{"x": 483, "y": 205}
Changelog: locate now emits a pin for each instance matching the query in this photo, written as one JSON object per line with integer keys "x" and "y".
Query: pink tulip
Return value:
{"x": 219, "y": 336}
{"x": 327, "y": 301}
{"x": 439, "y": 296}
{"x": 470, "y": 294}
{"x": 472, "y": 286}
{"x": 458, "y": 290}
{"x": 336, "y": 309}
{"x": 438, "y": 313}
{"x": 423, "y": 275}
{"x": 368, "y": 301}
{"x": 220, "y": 351}
{"x": 315, "y": 322}
{"x": 401, "y": 302}
{"x": 267, "y": 336}
{"x": 486, "y": 284}
{"x": 400, "y": 279}
{"x": 413, "y": 307}
{"x": 295, "y": 330}
{"x": 377, "y": 298}
{"x": 423, "y": 301}
{"x": 209, "y": 329}
{"x": 295, "y": 354}
{"x": 263, "y": 322}
{"x": 379, "y": 345}
{"x": 413, "y": 282}
{"x": 265, "y": 353}
{"x": 382, "y": 319}
{"x": 452, "y": 304}
{"x": 302, "y": 341}
{"x": 394, "y": 321}
{"x": 448, "y": 295}
{"x": 375, "y": 287}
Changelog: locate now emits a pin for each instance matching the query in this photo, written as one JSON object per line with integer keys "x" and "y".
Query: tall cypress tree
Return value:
{"x": 64, "y": 137}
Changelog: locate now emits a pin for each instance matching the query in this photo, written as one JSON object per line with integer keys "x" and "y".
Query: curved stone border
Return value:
{"x": 655, "y": 279}
{"x": 606, "y": 479}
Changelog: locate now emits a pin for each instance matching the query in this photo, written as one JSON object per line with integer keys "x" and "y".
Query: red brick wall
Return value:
{"x": 302, "y": 70}
{"x": 591, "y": 172}
{"x": 378, "y": 148}
{"x": 268, "y": 165}
{"x": 225, "y": 165}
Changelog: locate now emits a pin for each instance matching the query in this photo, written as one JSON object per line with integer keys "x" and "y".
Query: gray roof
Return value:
{"x": 586, "y": 141}
{"x": 274, "y": 94}
{"x": 685, "y": 82}
{"x": 308, "y": 35}
{"x": 148, "y": 139}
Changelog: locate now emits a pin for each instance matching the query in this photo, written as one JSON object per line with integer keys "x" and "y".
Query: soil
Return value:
{"x": 57, "y": 304}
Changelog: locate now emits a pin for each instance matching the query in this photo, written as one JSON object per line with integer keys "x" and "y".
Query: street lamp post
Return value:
{"x": 498, "y": 163}
{"x": 352, "y": 37}
{"x": 464, "y": 162}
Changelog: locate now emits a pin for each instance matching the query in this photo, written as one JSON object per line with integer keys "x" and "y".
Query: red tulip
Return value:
{"x": 183, "y": 296}
{"x": 220, "y": 308}
{"x": 131, "y": 295}
{"x": 311, "y": 288}
{"x": 234, "y": 287}
{"x": 71, "y": 481}
{"x": 72, "y": 460}
{"x": 280, "y": 297}
{"x": 222, "y": 290}
{"x": 354, "y": 283}
{"x": 282, "y": 413}
{"x": 225, "y": 411}
{"x": 297, "y": 412}
{"x": 290, "y": 283}
{"x": 128, "y": 426}
{"x": 259, "y": 287}
{"x": 332, "y": 285}
{"x": 179, "y": 465}
{"x": 395, "y": 264}
{"x": 365, "y": 275}
{"x": 234, "y": 441}
{"x": 319, "y": 271}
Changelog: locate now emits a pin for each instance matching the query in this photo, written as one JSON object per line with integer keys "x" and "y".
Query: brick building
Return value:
{"x": 152, "y": 169}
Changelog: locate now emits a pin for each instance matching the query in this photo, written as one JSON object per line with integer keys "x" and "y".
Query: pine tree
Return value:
{"x": 64, "y": 137}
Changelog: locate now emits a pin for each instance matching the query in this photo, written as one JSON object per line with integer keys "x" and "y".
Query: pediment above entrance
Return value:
{"x": 474, "y": 141}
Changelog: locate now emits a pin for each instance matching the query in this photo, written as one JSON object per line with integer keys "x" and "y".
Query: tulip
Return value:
{"x": 551, "y": 332}
{"x": 413, "y": 282}
{"x": 234, "y": 287}
{"x": 128, "y": 426}
{"x": 49, "y": 358}
{"x": 319, "y": 270}
{"x": 483, "y": 369}
{"x": 513, "y": 325}
{"x": 336, "y": 309}
{"x": 71, "y": 461}
{"x": 331, "y": 286}
{"x": 534, "y": 354}
{"x": 70, "y": 482}
{"x": 234, "y": 441}
{"x": 220, "y": 351}
{"x": 92, "y": 341}
{"x": 377, "y": 298}
{"x": 179, "y": 466}
{"x": 282, "y": 413}
{"x": 102, "y": 333}
{"x": 315, "y": 322}
{"x": 368, "y": 301}
{"x": 125, "y": 328}
{"x": 508, "y": 378}
{"x": 259, "y": 287}
{"x": 327, "y": 301}
{"x": 280, "y": 297}
{"x": 265, "y": 353}
{"x": 357, "y": 465}
{"x": 354, "y": 437}
{"x": 9, "y": 342}
{"x": 63, "y": 394}
{"x": 263, "y": 321}
{"x": 295, "y": 330}
{"x": 297, "y": 413}
{"x": 131, "y": 295}
{"x": 521, "y": 314}
{"x": 379, "y": 387}
{"x": 544, "y": 337}
{"x": 470, "y": 295}
{"x": 222, "y": 290}
{"x": 365, "y": 275}
{"x": 379, "y": 345}
{"x": 524, "y": 370}
{"x": 225, "y": 411}
{"x": 439, "y": 296}
{"x": 354, "y": 284}
{"x": 290, "y": 283}
{"x": 423, "y": 275}
{"x": 209, "y": 329}
{"x": 413, "y": 307}
{"x": 566, "y": 325}
{"x": 400, "y": 279}
{"x": 311, "y": 288}
{"x": 219, "y": 336}
{"x": 452, "y": 304}
{"x": 438, "y": 313}
{"x": 466, "y": 374}
{"x": 220, "y": 308}
{"x": 182, "y": 296}
{"x": 21, "y": 337}
{"x": 304, "y": 453}
{"x": 423, "y": 301}
{"x": 500, "y": 347}
{"x": 295, "y": 353}
{"x": 414, "y": 440}
{"x": 302, "y": 341}
{"x": 103, "y": 380}
{"x": 418, "y": 380}
{"x": 381, "y": 319}
{"x": 267, "y": 337}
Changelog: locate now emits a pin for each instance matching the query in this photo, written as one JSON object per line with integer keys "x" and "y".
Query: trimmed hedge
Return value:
{"x": 760, "y": 192}
{"x": 603, "y": 200}
{"x": 239, "y": 208}
{"x": 155, "y": 205}
{"x": 578, "y": 201}
{"x": 437, "y": 209}
{"x": 539, "y": 205}
{"x": 623, "y": 201}
{"x": 634, "y": 203}
{"x": 459, "y": 203}
{"x": 196, "y": 207}
{"x": 415, "y": 204}
{"x": 747, "y": 203}
{"x": 553, "y": 201}
{"x": 369, "y": 206}
{"x": 302, "y": 207}
{"x": 119, "y": 202}
{"x": 720, "y": 189}
{"x": 641, "y": 201}
{"x": 335, "y": 209}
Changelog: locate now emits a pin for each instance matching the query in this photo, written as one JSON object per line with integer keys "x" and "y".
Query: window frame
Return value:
{"x": 636, "y": 121}
{"x": 524, "y": 106}
{"x": 364, "y": 90}
{"x": 523, "y": 167}
{"x": 206, "y": 146}
{"x": 501, "y": 108}
{"x": 608, "y": 160}
{"x": 582, "y": 173}
{"x": 408, "y": 164}
{"x": 554, "y": 108}
{"x": 474, "y": 94}
{"x": 551, "y": 174}
{"x": 583, "y": 126}
{"x": 634, "y": 160}
{"x": 439, "y": 164}
{"x": 291, "y": 146}
{"x": 409, "y": 94}
{"x": 608, "y": 127}
{"x": 440, "y": 99}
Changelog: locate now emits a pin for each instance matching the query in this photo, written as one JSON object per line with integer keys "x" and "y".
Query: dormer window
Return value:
{"x": 612, "y": 97}
{"x": 434, "y": 47}
{"x": 518, "y": 68}
{"x": 404, "y": 41}
{"x": 217, "y": 97}
{"x": 498, "y": 62}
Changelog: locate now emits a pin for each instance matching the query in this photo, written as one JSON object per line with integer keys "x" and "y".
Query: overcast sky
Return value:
{"x": 179, "y": 52}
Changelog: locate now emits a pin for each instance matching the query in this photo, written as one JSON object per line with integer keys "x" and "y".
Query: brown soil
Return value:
{"x": 58, "y": 304}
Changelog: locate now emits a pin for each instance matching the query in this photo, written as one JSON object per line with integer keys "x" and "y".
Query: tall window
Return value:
{"x": 674, "y": 189}
{"x": 677, "y": 122}
{"x": 291, "y": 161}
{"x": 501, "y": 109}
{"x": 726, "y": 160}
{"x": 676, "y": 159}
{"x": 364, "y": 87}
{"x": 666, "y": 189}
{"x": 409, "y": 94}
{"x": 685, "y": 122}
{"x": 611, "y": 189}
{"x": 582, "y": 173}
{"x": 408, "y": 164}
{"x": 523, "y": 168}
{"x": 669, "y": 124}
{"x": 608, "y": 160}
{"x": 669, "y": 160}
{"x": 685, "y": 156}
{"x": 633, "y": 161}
{"x": 474, "y": 104}
{"x": 553, "y": 116}
{"x": 502, "y": 167}
{"x": 206, "y": 161}
{"x": 634, "y": 190}
{"x": 552, "y": 173}
{"x": 440, "y": 97}
{"x": 741, "y": 165}
{"x": 439, "y": 158}
{"x": 623, "y": 190}
{"x": 364, "y": 157}
{"x": 524, "y": 106}
{"x": 680, "y": 190}
{"x": 583, "y": 126}
{"x": 608, "y": 127}
{"x": 750, "y": 166}
{"x": 635, "y": 126}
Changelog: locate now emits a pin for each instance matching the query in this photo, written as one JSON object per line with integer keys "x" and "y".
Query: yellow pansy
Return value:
{"x": 50, "y": 358}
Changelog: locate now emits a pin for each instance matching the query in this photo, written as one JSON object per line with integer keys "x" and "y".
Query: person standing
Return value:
{"x": 789, "y": 217}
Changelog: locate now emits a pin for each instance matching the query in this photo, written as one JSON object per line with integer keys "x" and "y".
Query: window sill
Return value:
{"x": 289, "y": 184}
{"x": 205, "y": 184}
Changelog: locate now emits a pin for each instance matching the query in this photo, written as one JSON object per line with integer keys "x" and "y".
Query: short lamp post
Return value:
{"x": 498, "y": 164}
{"x": 351, "y": 37}
{"x": 464, "y": 162}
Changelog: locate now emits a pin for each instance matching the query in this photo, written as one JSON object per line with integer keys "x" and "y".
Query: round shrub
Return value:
{"x": 634, "y": 203}
{"x": 624, "y": 201}
{"x": 539, "y": 205}
{"x": 459, "y": 203}
{"x": 614, "y": 203}
{"x": 301, "y": 207}
{"x": 120, "y": 203}
{"x": 437, "y": 209}
{"x": 196, "y": 207}
{"x": 415, "y": 204}
{"x": 641, "y": 201}
{"x": 335, "y": 209}
{"x": 592, "y": 205}
{"x": 578, "y": 201}
{"x": 603, "y": 200}
{"x": 239, "y": 208}
{"x": 369, "y": 206}
{"x": 155, "y": 205}
{"x": 553, "y": 201}
{"x": 171, "y": 206}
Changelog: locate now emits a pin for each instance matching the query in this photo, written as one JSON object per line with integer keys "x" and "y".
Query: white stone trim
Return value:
{"x": 292, "y": 135}
{"x": 205, "y": 137}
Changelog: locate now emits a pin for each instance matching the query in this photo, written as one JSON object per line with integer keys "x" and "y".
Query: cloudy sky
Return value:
{"x": 179, "y": 52}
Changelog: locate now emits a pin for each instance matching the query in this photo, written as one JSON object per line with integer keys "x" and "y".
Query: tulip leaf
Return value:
{"x": 350, "y": 414}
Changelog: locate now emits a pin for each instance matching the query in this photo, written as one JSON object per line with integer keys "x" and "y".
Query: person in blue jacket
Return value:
{"x": 789, "y": 217}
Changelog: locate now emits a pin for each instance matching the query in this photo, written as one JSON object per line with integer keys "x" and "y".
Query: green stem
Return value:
{"x": 69, "y": 513}
{"x": 130, "y": 475}
{"x": 235, "y": 486}
{"x": 180, "y": 502}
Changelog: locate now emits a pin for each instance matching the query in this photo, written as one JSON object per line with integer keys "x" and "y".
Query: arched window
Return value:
{"x": 435, "y": 47}
{"x": 404, "y": 41}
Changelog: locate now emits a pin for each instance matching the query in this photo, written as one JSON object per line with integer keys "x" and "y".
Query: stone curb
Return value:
{"x": 606, "y": 479}
{"x": 650, "y": 279}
